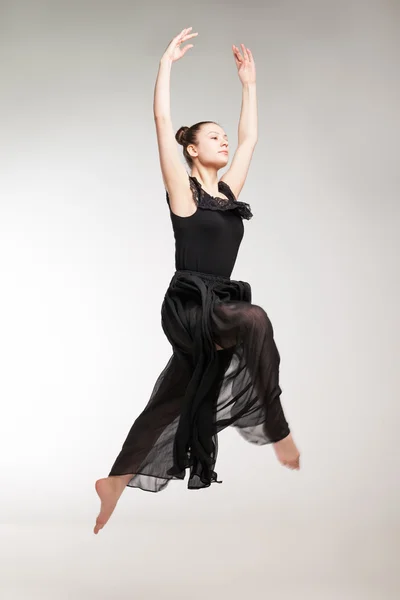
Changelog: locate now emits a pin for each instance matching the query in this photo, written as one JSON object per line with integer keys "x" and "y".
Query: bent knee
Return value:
{"x": 258, "y": 317}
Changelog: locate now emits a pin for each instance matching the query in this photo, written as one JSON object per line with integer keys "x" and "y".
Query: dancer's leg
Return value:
{"x": 287, "y": 453}
{"x": 109, "y": 491}
{"x": 162, "y": 409}
{"x": 250, "y": 324}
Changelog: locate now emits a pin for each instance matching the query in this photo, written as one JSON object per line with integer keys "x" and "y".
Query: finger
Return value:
{"x": 188, "y": 37}
{"x": 246, "y": 57}
{"x": 183, "y": 32}
{"x": 175, "y": 40}
{"x": 237, "y": 52}
{"x": 186, "y": 48}
{"x": 237, "y": 55}
{"x": 249, "y": 54}
{"x": 177, "y": 37}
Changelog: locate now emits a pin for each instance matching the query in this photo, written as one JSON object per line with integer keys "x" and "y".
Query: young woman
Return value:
{"x": 224, "y": 369}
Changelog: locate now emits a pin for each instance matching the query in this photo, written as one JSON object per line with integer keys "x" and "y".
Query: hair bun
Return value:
{"x": 180, "y": 135}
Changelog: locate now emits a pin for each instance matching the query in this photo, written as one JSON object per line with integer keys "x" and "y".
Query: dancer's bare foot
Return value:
{"x": 109, "y": 490}
{"x": 287, "y": 452}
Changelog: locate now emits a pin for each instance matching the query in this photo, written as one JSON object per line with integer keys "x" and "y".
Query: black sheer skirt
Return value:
{"x": 202, "y": 390}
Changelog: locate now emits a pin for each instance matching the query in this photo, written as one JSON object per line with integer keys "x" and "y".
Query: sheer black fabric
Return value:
{"x": 203, "y": 390}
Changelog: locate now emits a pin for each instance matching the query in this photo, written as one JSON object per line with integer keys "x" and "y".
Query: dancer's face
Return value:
{"x": 212, "y": 148}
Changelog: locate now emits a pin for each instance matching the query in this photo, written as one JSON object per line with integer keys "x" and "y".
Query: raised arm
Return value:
{"x": 174, "y": 174}
{"x": 236, "y": 175}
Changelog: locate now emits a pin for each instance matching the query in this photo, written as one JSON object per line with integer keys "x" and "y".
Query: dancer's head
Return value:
{"x": 204, "y": 143}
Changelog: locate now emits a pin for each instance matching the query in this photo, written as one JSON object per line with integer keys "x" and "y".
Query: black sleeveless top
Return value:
{"x": 208, "y": 241}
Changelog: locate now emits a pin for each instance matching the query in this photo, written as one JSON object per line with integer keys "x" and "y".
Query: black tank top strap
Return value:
{"x": 194, "y": 188}
{"x": 225, "y": 189}
{"x": 208, "y": 201}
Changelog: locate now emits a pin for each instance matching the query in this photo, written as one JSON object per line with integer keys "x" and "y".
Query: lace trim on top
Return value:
{"x": 204, "y": 200}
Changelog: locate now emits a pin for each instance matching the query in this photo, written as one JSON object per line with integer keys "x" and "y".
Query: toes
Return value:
{"x": 99, "y": 525}
{"x": 291, "y": 465}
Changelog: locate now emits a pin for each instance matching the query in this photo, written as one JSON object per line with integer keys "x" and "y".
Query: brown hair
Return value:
{"x": 188, "y": 135}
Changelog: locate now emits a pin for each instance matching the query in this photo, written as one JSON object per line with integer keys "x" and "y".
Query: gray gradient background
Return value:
{"x": 86, "y": 251}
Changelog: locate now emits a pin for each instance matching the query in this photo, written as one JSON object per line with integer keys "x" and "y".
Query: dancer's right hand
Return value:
{"x": 173, "y": 51}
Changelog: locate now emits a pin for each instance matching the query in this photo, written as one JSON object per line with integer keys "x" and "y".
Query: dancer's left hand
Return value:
{"x": 245, "y": 64}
